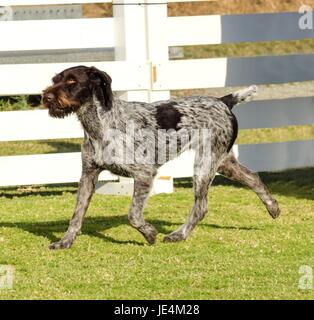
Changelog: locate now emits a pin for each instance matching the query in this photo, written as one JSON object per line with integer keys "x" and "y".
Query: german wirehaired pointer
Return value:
{"x": 204, "y": 124}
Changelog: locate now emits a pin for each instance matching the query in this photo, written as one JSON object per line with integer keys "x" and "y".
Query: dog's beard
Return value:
{"x": 63, "y": 107}
{"x": 57, "y": 111}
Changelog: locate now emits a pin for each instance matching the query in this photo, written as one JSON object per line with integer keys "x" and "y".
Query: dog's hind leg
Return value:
{"x": 233, "y": 170}
{"x": 204, "y": 174}
{"x": 198, "y": 212}
{"x": 142, "y": 187}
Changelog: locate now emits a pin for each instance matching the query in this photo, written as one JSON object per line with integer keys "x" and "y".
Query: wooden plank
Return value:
{"x": 194, "y": 30}
{"x": 172, "y": 75}
{"x": 64, "y": 168}
{"x": 258, "y": 157}
{"x": 181, "y": 167}
{"x": 221, "y": 72}
{"x": 215, "y": 29}
{"x": 130, "y": 28}
{"x": 190, "y": 74}
{"x": 47, "y": 2}
{"x": 277, "y": 156}
{"x": 63, "y": 34}
{"x": 41, "y": 74}
{"x": 43, "y": 169}
{"x": 156, "y": 28}
{"x": 275, "y": 113}
{"x": 271, "y": 69}
{"x": 263, "y": 27}
{"x": 37, "y": 125}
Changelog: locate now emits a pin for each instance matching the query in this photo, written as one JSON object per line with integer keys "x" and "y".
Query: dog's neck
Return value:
{"x": 95, "y": 120}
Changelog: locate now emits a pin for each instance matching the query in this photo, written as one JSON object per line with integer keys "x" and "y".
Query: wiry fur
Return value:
{"x": 88, "y": 93}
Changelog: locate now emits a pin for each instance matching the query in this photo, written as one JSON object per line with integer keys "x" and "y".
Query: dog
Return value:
{"x": 207, "y": 124}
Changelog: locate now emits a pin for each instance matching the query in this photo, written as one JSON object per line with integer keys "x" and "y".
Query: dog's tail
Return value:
{"x": 240, "y": 96}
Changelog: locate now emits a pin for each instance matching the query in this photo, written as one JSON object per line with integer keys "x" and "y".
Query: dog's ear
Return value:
{"x": 57, "y": 77}
{"x": 101, "y": 82}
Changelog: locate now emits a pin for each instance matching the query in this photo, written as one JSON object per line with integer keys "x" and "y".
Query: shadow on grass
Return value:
{"x": 297, "y": 183}
{"x": 31, "y": 191}
{"x": 95, "y": 226}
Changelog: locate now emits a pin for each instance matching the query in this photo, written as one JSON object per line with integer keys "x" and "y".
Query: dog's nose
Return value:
{"x": 48, "y": 97}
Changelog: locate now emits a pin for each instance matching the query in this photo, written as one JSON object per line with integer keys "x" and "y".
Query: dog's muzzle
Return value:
{"x": 58, "y": 105}
{"x": 48, "y": 98}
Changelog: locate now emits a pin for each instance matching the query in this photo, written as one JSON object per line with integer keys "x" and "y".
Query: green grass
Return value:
{"x": 247, "y": 49}
{"x": 237, "y": 252}
{"x": 14, "y": 103}
{"x": 39, "y": 147}
{"x": 268, "y": 135}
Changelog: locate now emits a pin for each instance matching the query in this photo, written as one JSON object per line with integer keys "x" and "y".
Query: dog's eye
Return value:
{"x": 71, "y": 81}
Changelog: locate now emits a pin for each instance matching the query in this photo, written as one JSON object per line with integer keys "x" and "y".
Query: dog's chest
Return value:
{"x": 98, "y": 156}
{"x": 107, "y": 155}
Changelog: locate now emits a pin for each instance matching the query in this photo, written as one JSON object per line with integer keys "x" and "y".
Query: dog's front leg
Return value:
{"x": 86, "y": 189}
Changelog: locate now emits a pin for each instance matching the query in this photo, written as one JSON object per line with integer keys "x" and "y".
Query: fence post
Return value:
{"x": 140, "y": 37}
{"x": 130, "y": 39}
{"x": 157, "y": 42}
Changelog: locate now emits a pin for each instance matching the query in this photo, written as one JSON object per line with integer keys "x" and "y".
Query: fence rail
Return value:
{"x": 47, "y": 2}
{"x": 44, "y": 169}
{"x": 37, "y": 125}
{"x": 51, "y": 2}
{"x": 221, "y": 72}
{"x": 141, "y": 36}
{"x": 25, "y": 35}
{"x": 218, "y": 29}
{"x": 41, "y": 74}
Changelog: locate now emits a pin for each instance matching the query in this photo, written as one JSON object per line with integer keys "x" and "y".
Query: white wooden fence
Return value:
{"x": 141, "y": 36}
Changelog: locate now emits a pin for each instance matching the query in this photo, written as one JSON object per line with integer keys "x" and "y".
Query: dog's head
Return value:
{"x": 75, "y": 86}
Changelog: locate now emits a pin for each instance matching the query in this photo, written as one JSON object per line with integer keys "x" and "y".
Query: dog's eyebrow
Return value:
{"x": 70, "y": 77}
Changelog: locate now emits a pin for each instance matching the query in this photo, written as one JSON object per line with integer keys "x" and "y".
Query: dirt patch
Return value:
{"x": 210, "y": 7}
{"x": 97, "y": 10}
{"x": 235, "y": 7}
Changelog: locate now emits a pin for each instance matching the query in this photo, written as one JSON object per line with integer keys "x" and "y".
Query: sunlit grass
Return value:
{"x": 237, "y": 252}
{"x": 248, "y": 49}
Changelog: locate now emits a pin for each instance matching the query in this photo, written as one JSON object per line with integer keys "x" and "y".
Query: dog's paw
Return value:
{"x": 274, "y": 210}
{"x": 174, "y": 237}
{"x": 62, "y": 244}
{"x": 150, "y": 233}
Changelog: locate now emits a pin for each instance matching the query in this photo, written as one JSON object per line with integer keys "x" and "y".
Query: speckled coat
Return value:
{"x": 205, "y": 124}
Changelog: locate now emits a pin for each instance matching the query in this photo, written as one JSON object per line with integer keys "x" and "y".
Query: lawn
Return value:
{"x": 237, "y": 252}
